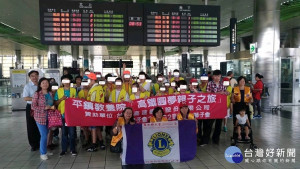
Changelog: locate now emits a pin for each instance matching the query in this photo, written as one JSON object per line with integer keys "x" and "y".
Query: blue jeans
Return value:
{"x": 68, "y": 133}
{"x": 44, "y": 134}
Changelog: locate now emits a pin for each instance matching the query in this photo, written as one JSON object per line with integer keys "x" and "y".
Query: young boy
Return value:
{"x": 242, "y": 122}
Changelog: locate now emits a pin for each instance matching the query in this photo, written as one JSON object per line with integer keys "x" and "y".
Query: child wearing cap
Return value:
{"x": 137, "y": 94}
{"x": 127, "y": 85}
{"x": 194, "y": 85}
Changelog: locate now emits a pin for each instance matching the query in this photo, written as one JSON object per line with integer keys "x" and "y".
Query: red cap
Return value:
{"x": 92, "y": 76}
{"x": 226, "y": 79}
{"x": 126, "y": 72}
{"x": 193, "y": 80}
{"x": 183, "y": 104}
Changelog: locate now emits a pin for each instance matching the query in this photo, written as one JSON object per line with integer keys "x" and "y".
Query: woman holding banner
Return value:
{"x": 158, "y": 115}
{"x": 185, "y": 114}
{"x": 125, "y": 118}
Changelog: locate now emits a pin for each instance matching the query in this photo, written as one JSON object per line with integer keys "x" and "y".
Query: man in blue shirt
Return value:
{"x": 32, "y": 129}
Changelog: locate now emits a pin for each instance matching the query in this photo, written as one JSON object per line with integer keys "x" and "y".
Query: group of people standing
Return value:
{"x": 41, "y": 98}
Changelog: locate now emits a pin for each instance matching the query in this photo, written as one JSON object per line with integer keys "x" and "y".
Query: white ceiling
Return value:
{"x": 24, "y": 15}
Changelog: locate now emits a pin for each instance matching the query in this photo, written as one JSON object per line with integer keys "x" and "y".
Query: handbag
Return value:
{"x": 117, "y": 148}
{"x": 54, "y": 118}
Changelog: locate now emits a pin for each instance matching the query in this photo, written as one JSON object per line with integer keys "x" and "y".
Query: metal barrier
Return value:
{"x": 5, "y": 88}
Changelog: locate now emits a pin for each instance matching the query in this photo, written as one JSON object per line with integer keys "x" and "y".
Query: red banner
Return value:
{"x": 85, "y": 113}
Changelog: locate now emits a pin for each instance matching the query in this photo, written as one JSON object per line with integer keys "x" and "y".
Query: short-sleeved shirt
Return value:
{"x": 117, "y": 96}
{"x": 49, "y": 99}
{"x": 241, "y": 120}
{"x": 29, "y": 90}
{"x": 214, "y": 88}
{"x": 258, "y": 85}
{"x": 66, "y": 93}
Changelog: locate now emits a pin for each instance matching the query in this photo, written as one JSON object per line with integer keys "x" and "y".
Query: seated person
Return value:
{"x": 242, "y": 122}
{"x": 185, "y": 114}
{"x": 125, "y": 118}
{"x": 162, "y": 91}
{"x": 158, "y": 115}
{"x": 137, "y": 94}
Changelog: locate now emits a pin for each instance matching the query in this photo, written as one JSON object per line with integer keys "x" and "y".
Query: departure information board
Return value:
{"x": 185, "y": 25}
{"x": 69, "y": 22}
{"x": 106, "y": 23}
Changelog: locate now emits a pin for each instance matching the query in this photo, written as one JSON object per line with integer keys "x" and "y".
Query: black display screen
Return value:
{"x": 104, "y": 23}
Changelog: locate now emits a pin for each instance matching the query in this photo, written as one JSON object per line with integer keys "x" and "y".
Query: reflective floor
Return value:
{"x": 278, "y": 130}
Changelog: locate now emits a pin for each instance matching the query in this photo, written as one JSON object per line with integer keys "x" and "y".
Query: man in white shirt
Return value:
{"x": 32, "y": 129}
{"x": 144, "y": 86}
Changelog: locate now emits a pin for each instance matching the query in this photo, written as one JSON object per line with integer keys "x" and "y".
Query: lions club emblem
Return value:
{"x": 160, "y": 144}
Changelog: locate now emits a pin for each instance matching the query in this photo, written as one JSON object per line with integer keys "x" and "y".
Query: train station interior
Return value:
{"x": 244, "y": 37}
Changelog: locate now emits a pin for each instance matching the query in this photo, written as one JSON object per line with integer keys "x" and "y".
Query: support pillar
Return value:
{"x": 53, "y": 55}
{"x": 185, "y": 60}
{"x": 205, "y": 58}
{"x": 160, "y": 56}
{"x": 75, "y": 55}
{"x": 85, "y": 59}
{"x": 40, "y": 64}
{"x": 18, "y": 64}
{"x": 267, "y": 35}
{"x": 148, "y": 62}
{"x": 141, "y": 62}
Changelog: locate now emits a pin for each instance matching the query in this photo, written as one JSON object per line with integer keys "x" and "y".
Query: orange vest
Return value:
{"x": 153, "y": 119}
{"x": 190, "y": 116}
{"x": 117, "y": 138}
{"x": 247, "y": 95}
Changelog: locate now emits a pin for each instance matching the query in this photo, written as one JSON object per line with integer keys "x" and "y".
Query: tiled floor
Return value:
{"x": 277, "y": 130}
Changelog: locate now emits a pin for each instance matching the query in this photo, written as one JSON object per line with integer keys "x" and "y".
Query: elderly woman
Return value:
{"x": 158, "y": 115}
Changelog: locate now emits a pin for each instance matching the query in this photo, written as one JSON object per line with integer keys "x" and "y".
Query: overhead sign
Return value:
{"x": 107, "y": 23}
{"x": 253, "y": 48}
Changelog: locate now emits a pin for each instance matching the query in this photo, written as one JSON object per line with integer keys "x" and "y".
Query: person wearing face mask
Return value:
{"x": 162, "y": 91}
{"x": 118, "y": 95}
{"x": 109, "y": 86}
{"x": 169, "y": 89}
{"x": 127, "y": 85}
{"x": 203, "y": 84}
{"x": 144, "y": 85}
{"x": 68, "y": 133}
{"x": 32, "y": 129}
{"x": 137, "y": 94}
{"x": 95, "y": 94}
{"x": 176, "y": 77}
{"x": 182, "y": 87}
{"x": 158, "y": 84}
{"x": 158, "y": 115}
{"x": 194, "y": 86}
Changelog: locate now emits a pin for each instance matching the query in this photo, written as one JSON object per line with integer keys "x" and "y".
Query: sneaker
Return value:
{"x": 49, "y": 153}
{"x": 62, "y": 154}
{"x": 203, "y": 144}
{"x": 74, "y": 153}
{"x": 44, "y": 157}
{"x": 225, "y": 129}
{"x": 259, "y": 116}
{"x": 239, "y": 137}
{"x": 92, "y": 149}
{"x": 102, "y": 146}
{"x": 247, "y": 138}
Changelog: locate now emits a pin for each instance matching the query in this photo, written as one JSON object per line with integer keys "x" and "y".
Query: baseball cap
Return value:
{"x": 193, "y": 80}
{"x": 92, "y": 76}
{"x": 126, "y": 72}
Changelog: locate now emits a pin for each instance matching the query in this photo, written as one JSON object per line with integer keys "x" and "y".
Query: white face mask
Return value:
{"x": 183, "y": 87}
{"x": 142, "y": 77}
{"x": 84, "y": 83}
{"x": 176, "y": 74}
{"x": 226, "y": 83}
{"x": 160, "y": 79}
{"x": 162, "y": 89}
{"x": 178, "y": 89}
{"x": 87, "y": 73}
{"x": 54, "y": 87}
{"x": 134, "y": 90}
{"x": 65, "y": 81}
{"x": 118, "y": 83}
{"x": 101, "y": 82}
{"x": 194, "y": 84}
{"x": 98, "y": 76}
{"x": 127, "y": 76}
{"x": 173, "y": 84}
{"x": 204, "y": 78}
{"x": 111, "y": 79}
{"x": 167, "y": 84}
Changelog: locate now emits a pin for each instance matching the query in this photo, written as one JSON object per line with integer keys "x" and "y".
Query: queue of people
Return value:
{"x": 42, "y": 98}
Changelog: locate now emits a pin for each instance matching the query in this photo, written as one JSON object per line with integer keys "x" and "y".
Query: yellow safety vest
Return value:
{"x": 117, "y": 138}
{"x": 190, "y": 116}
{"x": 105, "y": 88}
{"x": 99, "y": 94}
{"x": 142, "y": 95}
{"x": 128, "y": 90}
{"x": 247, "y": 95}
{"x": 170, "y": 91}
{"x": 153, "y": 119}
{"x": 121, "y": 97}
{"x": 60, "y": 94}
{"x": 83, "y": 94}
{"x": 156, "y": 88}
{"x": 229, "y": 89}
{"x": 203, "y": 89}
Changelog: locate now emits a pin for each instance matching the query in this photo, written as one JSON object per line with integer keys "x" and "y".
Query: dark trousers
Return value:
{"x": 256, "y": 103}
{"x": 68, "y": 136}
{"x": 200, "y": 133}
{"x": 217, "y": 131}
{"x": 207, "y": 126}
{"x": 32, "y": 129}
